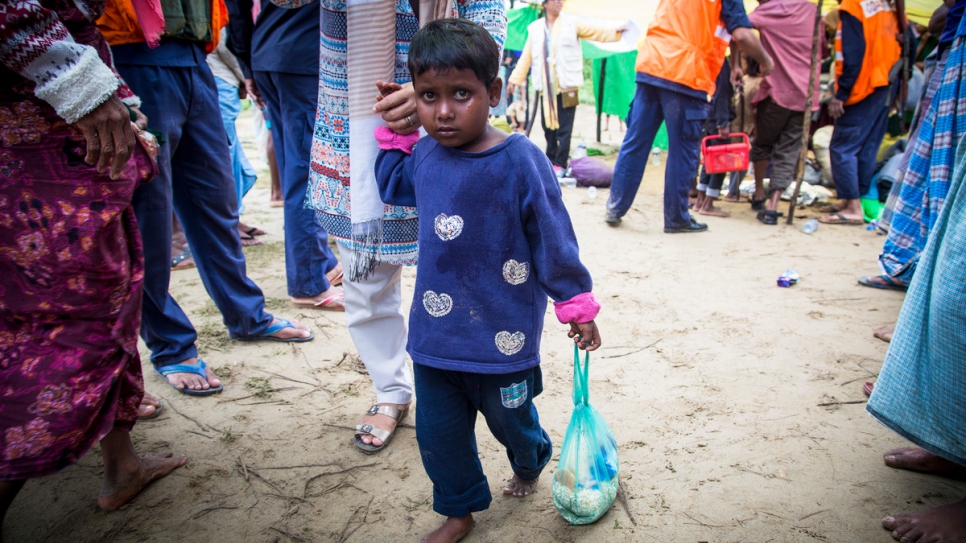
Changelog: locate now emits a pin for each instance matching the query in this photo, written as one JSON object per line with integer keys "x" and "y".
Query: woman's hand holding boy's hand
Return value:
{"x": 585, "y": 335}
{"x": 397, "y": 105}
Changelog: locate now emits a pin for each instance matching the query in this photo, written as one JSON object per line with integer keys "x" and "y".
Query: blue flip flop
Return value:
{"x": 280, "y": 325}
{"x": 197, "y": 369}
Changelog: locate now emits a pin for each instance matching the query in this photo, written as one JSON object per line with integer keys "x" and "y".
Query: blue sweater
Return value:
{"x": 494, "y": 241}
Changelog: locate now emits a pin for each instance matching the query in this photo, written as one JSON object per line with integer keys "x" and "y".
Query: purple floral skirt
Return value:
{"x": 71, "y": 272}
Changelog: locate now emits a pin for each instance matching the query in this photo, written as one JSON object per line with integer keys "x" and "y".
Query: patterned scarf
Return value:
{"x": 371, "y": 44}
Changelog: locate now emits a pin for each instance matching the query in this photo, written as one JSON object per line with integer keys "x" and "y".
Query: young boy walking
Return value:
{"x": 494, "y": 242}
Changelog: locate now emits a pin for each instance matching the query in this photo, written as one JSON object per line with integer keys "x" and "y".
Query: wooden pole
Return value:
{"x": 807, "y": 121}
{"x": 600, "y": 93}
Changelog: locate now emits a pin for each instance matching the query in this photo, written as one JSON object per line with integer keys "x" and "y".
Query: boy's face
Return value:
{"x": 454, "y": 107}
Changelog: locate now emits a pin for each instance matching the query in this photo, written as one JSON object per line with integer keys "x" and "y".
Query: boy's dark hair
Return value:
{"x": 447, "y": 44}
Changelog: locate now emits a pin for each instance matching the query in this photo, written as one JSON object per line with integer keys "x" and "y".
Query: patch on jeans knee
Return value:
{"x": 514, "y": 395}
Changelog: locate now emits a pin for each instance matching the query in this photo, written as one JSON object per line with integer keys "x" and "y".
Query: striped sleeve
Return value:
{"x": 69, "y": 76}
{"x": 488, "y": 13}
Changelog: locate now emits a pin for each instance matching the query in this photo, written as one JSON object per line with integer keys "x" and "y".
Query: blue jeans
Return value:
{"x": 855, "y": 144}
{"x": 684, "y": 116}
{"x": 195, "y": 178}
{"x": 446, "y": 431}
{"x": 291, "y": 101}
{"x": 241, "y": 169}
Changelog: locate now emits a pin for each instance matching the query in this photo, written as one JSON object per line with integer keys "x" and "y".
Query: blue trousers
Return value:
{"x": 195, "y": 178}
{"x": 684, "y": 116}
{"x": 241, "y": 169}
{"x": 446, "y": 431}
{"x": 855, "y": 144}
{"x": 291, "y": 101}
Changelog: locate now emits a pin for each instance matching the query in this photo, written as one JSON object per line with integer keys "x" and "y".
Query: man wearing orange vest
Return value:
{"x": 161, "y": 55}
{"x": 866, "y": 48}
{"x": 676, "y": 68}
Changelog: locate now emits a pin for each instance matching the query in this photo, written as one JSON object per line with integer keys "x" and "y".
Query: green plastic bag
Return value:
{"x": 586, "y": 480}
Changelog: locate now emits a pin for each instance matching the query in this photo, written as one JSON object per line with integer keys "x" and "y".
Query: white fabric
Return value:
{"x": 568, "y": 57}
{"x": 378, "y": 329}
{"x": 76, "y": 85}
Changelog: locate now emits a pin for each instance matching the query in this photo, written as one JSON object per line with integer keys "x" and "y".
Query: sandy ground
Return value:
{"x": 737, "y": 405}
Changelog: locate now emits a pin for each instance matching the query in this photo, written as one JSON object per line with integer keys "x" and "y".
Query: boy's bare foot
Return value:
{"x": 519, "y": 488}
{"x": 733, "y": 199}
{"x": 921, "y": 460}
{"x": 885, "y": 332}
{"x": 946, "y": 524}
{"x": 454, "y": 529}
{"x": 126, "y": 486}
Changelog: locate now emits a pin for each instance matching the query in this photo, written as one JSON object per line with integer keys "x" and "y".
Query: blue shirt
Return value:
{"x": 733, "y": 16}
{"x": 280, "y": 40}
{"x": 953, "y": 17}
{"x": 494, "y": 241}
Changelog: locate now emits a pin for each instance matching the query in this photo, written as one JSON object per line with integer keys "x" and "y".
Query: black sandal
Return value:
{"x": 768, "y": 217}
{"x": 758, "y": 205}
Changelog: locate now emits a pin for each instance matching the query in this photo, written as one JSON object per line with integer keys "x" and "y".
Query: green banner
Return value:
{"x": 517, "y": 21}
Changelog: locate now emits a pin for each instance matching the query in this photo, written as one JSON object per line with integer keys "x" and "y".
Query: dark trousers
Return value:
{"x": 446, "y": 431}
{"x": 685, "y": 117}
{"x": 558, "y": 141}
{"x": 778, "y": 138}
{"x": 291, "y": 101}
{"x": 196, "y": 179}
{"x": 855, "y": 144}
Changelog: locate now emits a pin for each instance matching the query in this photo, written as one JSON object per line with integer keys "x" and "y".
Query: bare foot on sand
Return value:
{"x": 885, "y": 332}
{"x": 733, "y": 199}
{"x": 123, "y": 487}
{"x": 713, "y": 211}
{"x": 454, "y": 529}
{"x": 946, "y": 524}
{"x": 519, "y": 488}
{"x": 921, "y": 460}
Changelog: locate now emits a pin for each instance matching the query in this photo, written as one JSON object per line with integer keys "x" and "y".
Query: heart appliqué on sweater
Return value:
{"x": 447, "y": 227}
{"x": 510, "y": 344}
{"x": 516, "y": 273}
{"x": 437, "y": 305}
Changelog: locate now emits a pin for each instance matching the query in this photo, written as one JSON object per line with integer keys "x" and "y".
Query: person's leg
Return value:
{"x": 548, "y": 134}
{"x": 847, "y": 140}
{"x": 566, "y": 118}
{"x": 378, "y": 329}
{"x": 685, "y": 120}
{"x": 711, "y": 194}
{"x": 945, "y": 523}
{"x": 769, "y": 120}
{"x": 786, "y": 153}
{"x": 164, "y": 326}
{"x": 126, "y": 473}
{"x": 291, "y": 101}
{"x": 643, "y": 121}
{"x": 8, "y": 491}
{"x": 446, "y": 434}
{"x": 506, "y": 402}
{"x": 206, "y": 203}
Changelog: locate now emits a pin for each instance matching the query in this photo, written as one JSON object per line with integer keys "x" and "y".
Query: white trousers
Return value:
{"x": 378, "y": 329}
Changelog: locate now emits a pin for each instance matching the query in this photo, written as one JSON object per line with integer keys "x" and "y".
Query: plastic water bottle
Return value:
{"x": 581, "y": 151}
{"x": 591, "y": 192}
{"x": 810, "y": 226}
{"x": 655, "y": 156}
{"x": 872, "y": 225}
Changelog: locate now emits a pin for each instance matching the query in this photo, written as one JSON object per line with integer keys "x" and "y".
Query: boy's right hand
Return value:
{"x": 585, "y": 335}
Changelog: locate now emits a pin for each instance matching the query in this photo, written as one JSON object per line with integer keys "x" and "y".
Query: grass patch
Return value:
{"x": 223, "y": 372}
{"x": 227, "y": 437}
{"x": 212, "y": 335}
{"x": 260, "y": 386}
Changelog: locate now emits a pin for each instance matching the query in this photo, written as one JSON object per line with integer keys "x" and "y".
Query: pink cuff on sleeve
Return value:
{"x": 580, "y": 309}
{"x": 389, "y": 140}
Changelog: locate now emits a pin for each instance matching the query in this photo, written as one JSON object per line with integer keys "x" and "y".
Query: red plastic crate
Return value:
{"x": 730, "y": 157}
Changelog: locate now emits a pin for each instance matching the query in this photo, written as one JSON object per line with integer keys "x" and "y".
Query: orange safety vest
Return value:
{"x": 882, "y": 48}
{"x": 686, "y": 44}
{"x": 119, "y": 23}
